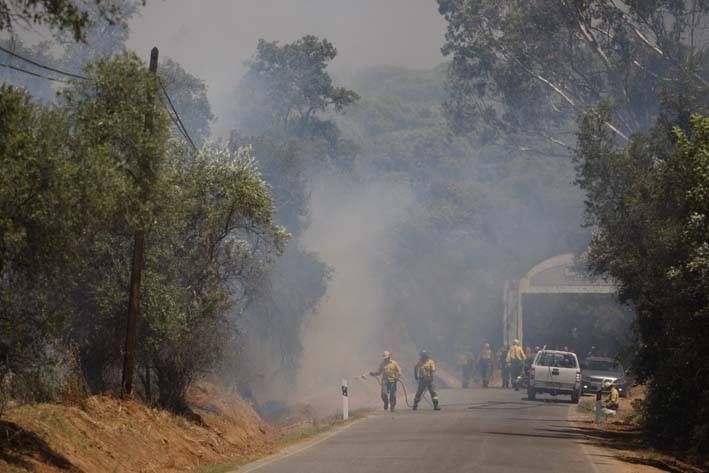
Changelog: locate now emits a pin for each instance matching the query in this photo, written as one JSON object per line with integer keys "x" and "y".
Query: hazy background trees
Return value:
{"x": 622, "y": 85}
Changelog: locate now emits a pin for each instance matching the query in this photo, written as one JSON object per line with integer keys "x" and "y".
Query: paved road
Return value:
{"x": 477, "y": 431}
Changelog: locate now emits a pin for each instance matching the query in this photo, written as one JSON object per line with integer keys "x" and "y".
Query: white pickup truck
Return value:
{"x": 555, "y": 372}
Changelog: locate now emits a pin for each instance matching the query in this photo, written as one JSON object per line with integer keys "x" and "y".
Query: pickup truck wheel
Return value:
{"x": 531, "y": 394}
{"x": 575, "y": 397}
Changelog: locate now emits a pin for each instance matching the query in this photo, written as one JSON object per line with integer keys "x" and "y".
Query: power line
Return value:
{"x": 180, "y": 125}
{"x": 42, "y": 66}
{"x": 19, "y": 69}
{"x": 177, "y": 125}
{"x": 175, "y": 118}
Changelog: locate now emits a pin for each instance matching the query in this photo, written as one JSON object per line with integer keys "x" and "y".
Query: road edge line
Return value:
{"x": 290, "y": 451}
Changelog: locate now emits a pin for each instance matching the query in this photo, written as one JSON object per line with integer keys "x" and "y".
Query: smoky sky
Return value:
{"x": 213, "y": 38}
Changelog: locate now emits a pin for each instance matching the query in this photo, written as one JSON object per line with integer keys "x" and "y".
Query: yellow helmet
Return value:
{"x": 386, "y": 354}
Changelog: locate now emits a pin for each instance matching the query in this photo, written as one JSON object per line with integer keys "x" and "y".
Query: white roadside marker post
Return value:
{"x": 345, "y": 401}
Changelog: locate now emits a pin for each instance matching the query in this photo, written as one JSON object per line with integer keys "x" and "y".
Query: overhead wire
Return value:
{"x": 42, "y": 66}
{"x": 180, "y": 125}
{"x": 174, "y": 116}
{"x": 19, "y": 69}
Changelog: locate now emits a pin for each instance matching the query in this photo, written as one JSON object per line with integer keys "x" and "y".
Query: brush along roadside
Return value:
{"x": 622, "y": 434}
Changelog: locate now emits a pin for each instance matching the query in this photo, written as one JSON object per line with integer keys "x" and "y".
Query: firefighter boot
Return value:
{"x": 435, "y": 405}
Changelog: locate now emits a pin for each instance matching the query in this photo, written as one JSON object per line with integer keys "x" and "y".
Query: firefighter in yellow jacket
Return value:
{"x": 613, "y": 396}
{"x": 423, "y": 372}
{"x": 391, "y": 374}
{"x": 515, "y": 358}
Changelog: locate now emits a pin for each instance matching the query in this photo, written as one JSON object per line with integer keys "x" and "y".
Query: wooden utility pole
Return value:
{"x": 138, "y": 251}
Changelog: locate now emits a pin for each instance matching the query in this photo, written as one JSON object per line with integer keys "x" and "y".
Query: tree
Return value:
{"x": 530, "y": 67}
{"x": 59, "y": 14}
{"x": 295, "y": 87}
{"x": 42, "y": 217}
{"x": 189, "y": 96}
{"x": 287, "y": 101}
{"x": 207, "y": 225}
{"x": 648, "y": 202}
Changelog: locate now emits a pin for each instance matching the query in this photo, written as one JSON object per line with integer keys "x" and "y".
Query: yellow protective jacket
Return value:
{"x": 486, "y": 354}
{"x": 390, "y": 371}
{"x": 515, "y": 353}
{"x": 613, "y": 397}
{"x": 424, "y": 370}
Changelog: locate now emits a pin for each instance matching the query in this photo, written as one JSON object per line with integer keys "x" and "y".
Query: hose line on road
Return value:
{"x": 403, "y": 386}
{"x": 406, "y": 396}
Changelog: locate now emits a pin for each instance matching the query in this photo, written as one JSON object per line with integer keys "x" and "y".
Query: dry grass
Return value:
{"x": 625, "y": 438}
{"x": 105, "y": 434}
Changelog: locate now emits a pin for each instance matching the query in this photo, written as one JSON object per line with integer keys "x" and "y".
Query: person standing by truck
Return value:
{"x": 613, "y": 396}
{"x": 516, "y": 358}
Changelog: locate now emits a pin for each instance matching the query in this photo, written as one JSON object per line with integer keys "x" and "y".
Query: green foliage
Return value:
{"x": 76, "y": 179}
{"x": 649, "y": 203}
{"x": 531, "y": 66}
{"x": 189, "y": 96}
{"x": 287, "y": 107}
{"x": 42, "y": 218}
{"x": 59, "y": 14}
{"x": 296, "y": 86}
{"x": 286, "y": 95}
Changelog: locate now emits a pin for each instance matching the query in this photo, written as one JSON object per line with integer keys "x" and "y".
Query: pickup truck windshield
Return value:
{"x": 601, "y": 365}
{"x": 558, "y": 360}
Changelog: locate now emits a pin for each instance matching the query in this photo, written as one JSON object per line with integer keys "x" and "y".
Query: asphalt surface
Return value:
{"x": 477, "y": 430}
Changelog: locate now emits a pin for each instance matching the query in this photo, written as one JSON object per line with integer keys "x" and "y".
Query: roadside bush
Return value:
{"x": 650, "y": 203}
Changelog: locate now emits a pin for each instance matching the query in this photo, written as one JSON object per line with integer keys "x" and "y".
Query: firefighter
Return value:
{"x": 515, "y": 358}
{"x": 504, "y": 366}
{"x": 485, "y": 364}
{"x": 423, "y": 373}
{"x": 613, "y": 396}
{"x": 466, "y": 361}
{"x": 391, "y": 374}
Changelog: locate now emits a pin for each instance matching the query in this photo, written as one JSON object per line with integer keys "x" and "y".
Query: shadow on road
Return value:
{"x": 18, "y": 445}
{"x": 548, "y": 434}
{"x": 627, "y": 445}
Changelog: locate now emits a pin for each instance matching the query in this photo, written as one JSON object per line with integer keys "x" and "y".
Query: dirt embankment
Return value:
{"x": 624, "y": 438}
{"x": 106, "y": 434}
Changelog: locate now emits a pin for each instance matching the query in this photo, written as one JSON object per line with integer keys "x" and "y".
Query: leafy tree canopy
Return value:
{"x": 532, "y": 66}
{"x": 68, "y": 15}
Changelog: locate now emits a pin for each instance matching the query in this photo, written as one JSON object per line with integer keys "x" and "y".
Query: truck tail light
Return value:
{"x": 531, "y": 373}
{"x": 578, "y": 376}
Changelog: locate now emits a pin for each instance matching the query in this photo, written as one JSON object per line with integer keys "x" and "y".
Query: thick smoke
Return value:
{"x": 352, "y": 228}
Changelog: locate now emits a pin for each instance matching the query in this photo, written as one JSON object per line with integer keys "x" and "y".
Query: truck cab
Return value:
{"x": 555, "y": 372}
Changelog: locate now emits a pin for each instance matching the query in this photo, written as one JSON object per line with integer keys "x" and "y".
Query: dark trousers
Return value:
{"x": 389, "y": 394}
{"x": 423, "y": 386}
{"x": 505, "y": 373}
{"x": 485, "y": 371}
{"x": 515, "y": 371}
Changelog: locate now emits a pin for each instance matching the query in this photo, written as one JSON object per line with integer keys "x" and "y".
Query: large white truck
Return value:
{"x": 555, "y": 372}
